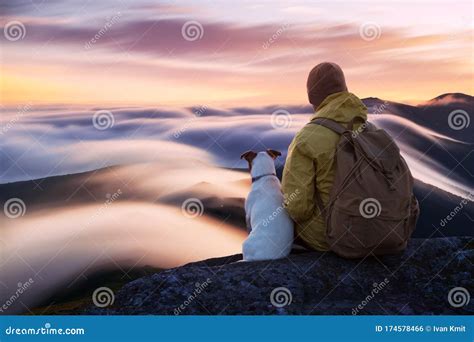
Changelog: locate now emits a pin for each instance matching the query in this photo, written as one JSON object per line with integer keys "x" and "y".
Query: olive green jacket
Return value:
{"x": 311, "y": 163}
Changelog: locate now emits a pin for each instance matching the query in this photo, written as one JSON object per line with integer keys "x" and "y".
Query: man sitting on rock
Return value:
{"x": 310, "y": 163}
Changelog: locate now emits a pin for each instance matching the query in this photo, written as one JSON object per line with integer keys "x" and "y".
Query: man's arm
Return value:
{"x": 299, "y": 183}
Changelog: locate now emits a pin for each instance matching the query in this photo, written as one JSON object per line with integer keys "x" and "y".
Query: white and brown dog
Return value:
{"x": 271, "y": 229}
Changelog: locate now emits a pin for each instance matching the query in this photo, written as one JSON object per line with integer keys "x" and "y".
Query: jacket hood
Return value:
{"x": 323, "y": 80}
{"x": 341, "y": 107}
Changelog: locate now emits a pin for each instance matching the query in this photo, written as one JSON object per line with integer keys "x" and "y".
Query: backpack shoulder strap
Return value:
{"x": 331, "y": 124}
{"x": 319, "y": 203}
{"x": 339, "y": 129}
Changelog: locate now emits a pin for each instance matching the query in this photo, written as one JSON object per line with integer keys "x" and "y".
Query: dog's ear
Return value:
{"x": 248, "y": 156}
{"x": 274, "y": 153}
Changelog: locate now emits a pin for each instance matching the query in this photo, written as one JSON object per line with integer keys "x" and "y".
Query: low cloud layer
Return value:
{"x": 53, "y": 143}
{"x": 57, "y": 249}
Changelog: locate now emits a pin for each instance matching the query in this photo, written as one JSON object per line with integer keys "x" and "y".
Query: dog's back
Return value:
{"x": 271, "y": 229}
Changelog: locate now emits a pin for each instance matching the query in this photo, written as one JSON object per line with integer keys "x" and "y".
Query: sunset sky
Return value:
{"x": 245, "y": 53}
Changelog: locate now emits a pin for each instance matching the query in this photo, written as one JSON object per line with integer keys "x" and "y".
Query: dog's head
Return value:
{"x": 261, "y": 157}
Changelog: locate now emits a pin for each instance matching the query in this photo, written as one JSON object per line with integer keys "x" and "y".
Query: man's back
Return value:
{"x": 311, "y": 163}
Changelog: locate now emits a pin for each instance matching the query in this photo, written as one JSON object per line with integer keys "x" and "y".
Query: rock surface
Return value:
{"x": 415, "y": 282}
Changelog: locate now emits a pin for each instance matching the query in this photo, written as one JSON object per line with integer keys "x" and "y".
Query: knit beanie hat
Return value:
{"x": 323, "y": 80}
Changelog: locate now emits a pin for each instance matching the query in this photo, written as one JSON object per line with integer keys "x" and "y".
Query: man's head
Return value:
{"x": 323, "y": 80}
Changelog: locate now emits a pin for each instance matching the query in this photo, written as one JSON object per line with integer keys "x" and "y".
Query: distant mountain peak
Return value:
{"x": 371, "y": 98}
{"x": 373, "y": 101}
{"x": 454, "y": 95}
{"x": 449, "y": 98}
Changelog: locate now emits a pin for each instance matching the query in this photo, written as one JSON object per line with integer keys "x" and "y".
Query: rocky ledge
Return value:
{"x": 433, "y": 276}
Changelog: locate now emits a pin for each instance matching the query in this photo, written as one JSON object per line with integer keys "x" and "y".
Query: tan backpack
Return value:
{"x": 371, "y": 208}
